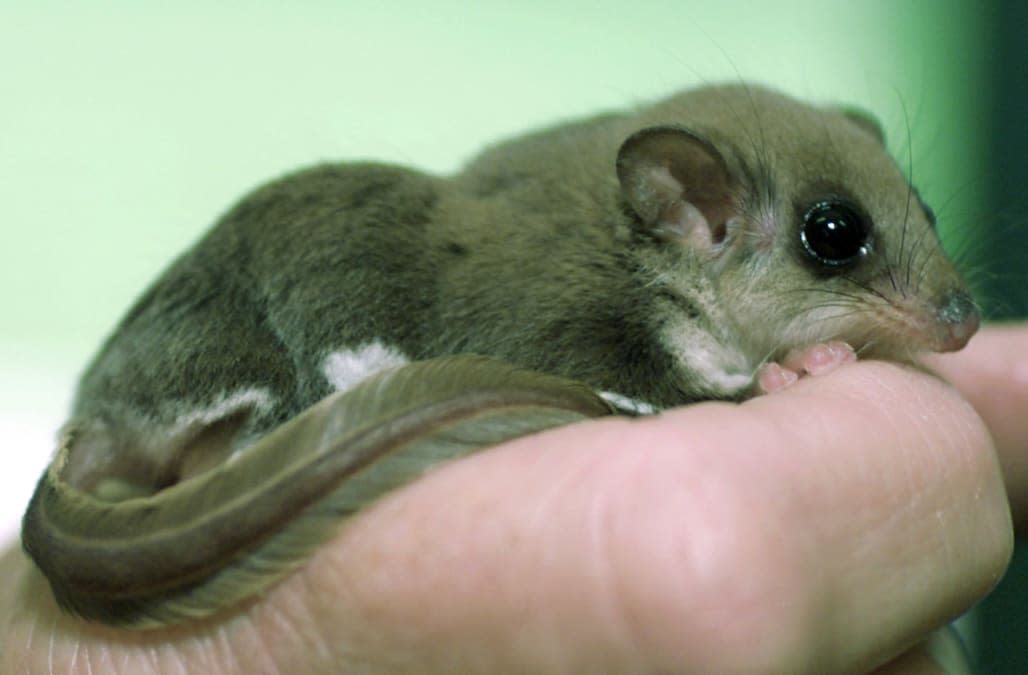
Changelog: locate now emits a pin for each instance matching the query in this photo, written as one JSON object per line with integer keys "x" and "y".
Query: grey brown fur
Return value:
{"x": 665, "y": 266}
{"x": 530, "y": 254}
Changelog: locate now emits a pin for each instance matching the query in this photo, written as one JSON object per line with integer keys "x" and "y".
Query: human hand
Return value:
{"x": 992, "y": 373}
{"x": 825, "y": 528}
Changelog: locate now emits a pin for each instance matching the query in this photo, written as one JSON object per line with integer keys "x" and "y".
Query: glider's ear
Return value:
{"x": 865, "y": 121}
{"x": 678, "y": 185}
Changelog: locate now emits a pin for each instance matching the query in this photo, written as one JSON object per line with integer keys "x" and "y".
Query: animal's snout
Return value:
{"x": 959, "y": 318}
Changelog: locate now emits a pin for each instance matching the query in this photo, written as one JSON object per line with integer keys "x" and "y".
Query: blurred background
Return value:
{"x": 127, "y": 129}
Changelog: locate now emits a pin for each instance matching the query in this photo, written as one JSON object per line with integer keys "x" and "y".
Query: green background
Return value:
{"x": 126, "y": 128}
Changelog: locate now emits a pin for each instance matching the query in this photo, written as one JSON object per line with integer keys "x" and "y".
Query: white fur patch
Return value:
{"x": 628, "y": 404}
{"x": 345, "y": 368}
{"x": 711, "y": 365}
{"x": 721, "y": 367}
{"x": 225, "y": 406}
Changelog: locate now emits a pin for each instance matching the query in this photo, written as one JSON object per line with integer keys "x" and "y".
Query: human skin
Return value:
{"x": 992, "y": 373}
{"x": 825, "y": 528}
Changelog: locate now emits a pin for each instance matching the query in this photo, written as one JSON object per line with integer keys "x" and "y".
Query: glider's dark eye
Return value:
{"x": 834, "y": 234}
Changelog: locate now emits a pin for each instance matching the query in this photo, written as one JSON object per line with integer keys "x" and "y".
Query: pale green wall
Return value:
{"x": 126, "y": 128}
